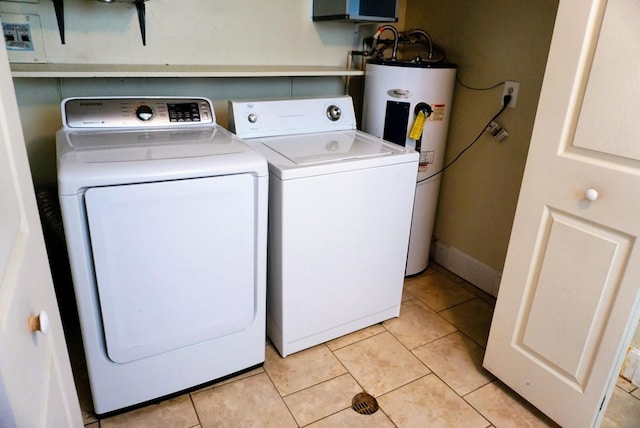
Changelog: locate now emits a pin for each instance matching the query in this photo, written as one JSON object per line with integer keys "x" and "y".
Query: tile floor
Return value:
{"x": 424, "y": 368}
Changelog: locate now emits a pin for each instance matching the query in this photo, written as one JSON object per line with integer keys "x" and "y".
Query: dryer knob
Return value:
{"x": 144, "y": 113}
{"x": 253, "y": 118}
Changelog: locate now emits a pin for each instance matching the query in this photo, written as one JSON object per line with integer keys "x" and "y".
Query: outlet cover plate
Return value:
{"x": 511, "y": 88}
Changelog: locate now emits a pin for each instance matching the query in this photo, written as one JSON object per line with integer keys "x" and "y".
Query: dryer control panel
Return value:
{"x": 125, "y": 112}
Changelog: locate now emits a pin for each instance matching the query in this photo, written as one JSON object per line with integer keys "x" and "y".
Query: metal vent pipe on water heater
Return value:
{"x": 395, "y": 92}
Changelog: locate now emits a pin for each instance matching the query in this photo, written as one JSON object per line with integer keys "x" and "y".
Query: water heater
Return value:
{"x": 397, "y": 95}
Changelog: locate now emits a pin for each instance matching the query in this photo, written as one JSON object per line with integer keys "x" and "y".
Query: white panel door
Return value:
{"x": 36, "y": 385}
{"x": 568, "y": 301}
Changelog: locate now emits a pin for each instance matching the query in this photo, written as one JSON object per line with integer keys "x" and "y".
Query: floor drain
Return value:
{"x": 364, "y": 404}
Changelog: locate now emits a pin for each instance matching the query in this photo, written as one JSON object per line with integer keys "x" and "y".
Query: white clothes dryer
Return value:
{"x": 340, "y": 204}
{"x": 165, "y": 217}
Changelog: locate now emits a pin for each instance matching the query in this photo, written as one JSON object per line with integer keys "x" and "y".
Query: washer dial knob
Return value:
{"x": 252, "y": 118}
{"x": 144, "y": 113}
{"x": 334, "y": 112}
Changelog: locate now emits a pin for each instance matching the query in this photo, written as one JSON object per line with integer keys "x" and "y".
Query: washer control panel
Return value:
{"x": 124, "y": 112}
{"x": 265, "y": 118}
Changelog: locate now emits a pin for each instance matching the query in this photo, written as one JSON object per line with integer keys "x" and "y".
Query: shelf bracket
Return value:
{"x": 141, "y": 20}
{"x": 59, "y": 8}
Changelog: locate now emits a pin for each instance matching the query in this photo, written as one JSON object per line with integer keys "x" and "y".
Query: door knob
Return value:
{"x": 39, "y": 322}
{"x": 591, "y": 194}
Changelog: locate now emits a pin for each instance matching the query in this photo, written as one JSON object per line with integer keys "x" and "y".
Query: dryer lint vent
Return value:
{"x": 364, "y": 404}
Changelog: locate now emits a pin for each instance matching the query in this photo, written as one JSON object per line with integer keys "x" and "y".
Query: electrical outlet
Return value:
{"x": 511, "y": 88}
{"x": 498, "y": 132}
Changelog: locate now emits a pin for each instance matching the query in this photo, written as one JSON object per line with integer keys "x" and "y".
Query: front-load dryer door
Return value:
{"x": 174, "y": 262}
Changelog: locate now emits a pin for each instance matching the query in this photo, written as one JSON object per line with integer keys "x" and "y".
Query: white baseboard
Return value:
{"x": 466, "y": 267}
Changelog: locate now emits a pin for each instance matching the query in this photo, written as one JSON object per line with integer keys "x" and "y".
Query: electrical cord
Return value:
{"x": 478, "y": 89}
{"x": 505, "y": 103}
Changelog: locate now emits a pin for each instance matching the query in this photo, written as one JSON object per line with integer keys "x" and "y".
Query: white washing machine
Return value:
{"x": 165, "y": 216}
{"x": 340, "y": 204}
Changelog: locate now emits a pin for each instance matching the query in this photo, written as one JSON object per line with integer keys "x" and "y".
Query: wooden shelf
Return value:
{"x": 152, "y": 70}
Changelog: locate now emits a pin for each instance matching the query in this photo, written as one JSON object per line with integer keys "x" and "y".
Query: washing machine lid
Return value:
{"x": 312, "y": 149}
{"x": 305, "y": 155}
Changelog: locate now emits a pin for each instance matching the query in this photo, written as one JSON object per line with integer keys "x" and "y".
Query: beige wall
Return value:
{"x": 491, "y": 41}
{"x": 191, "y": 32}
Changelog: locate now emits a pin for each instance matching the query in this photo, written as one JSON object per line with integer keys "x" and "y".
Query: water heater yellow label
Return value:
{"x": 418, "y": 126}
